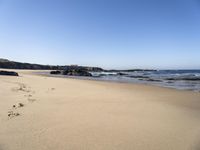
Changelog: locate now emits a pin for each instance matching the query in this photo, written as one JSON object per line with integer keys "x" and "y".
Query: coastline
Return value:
{"x": 96, "y": 78}
{"x": 86, "y": 114}
{"x": 147, "y": 83}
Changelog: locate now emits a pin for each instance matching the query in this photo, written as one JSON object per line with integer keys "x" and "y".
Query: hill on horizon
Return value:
{"x": 7, "y": 64}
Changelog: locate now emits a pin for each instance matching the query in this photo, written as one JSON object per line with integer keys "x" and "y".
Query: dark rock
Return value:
{"x": 143, "y": 77}
{"x": 9, "y": 73}
{"x": 171, "y": 79}
{"x": 153, "y": 80}
{"x": 76, "y": 72}
{"x": 121, "y": 74}
{"x": 85, "y": 68}
{"x": 55, "y": 72}
{"x": 184, "y": 79}
{"x": 192, "y": 79}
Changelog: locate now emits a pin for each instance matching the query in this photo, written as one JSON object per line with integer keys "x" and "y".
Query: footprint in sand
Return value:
{"x": 29, "y": 95}
{"x": 50, "y": 89}
{"x": 12, "y": 114}
{"x": 31, "y": 99}
{"x": 22, "y": 87}
{"x": 19, "y": 105}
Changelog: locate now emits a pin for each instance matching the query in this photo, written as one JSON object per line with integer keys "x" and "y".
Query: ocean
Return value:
{"x": 178, "y": 79}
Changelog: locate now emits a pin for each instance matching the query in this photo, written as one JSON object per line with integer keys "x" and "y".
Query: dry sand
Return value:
{"x": 72, "y": 114}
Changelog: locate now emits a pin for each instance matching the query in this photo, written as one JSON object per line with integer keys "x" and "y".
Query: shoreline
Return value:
{"x": 111, "y": 81}
{"x": 45, "y": 74}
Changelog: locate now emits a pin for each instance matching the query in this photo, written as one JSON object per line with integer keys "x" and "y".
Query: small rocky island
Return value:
{"x": 8, "y": 73}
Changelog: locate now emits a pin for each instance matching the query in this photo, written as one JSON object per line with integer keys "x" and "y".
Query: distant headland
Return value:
{"x": 8, "y": 64}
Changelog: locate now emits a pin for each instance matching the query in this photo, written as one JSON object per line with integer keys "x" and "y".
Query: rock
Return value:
{"x": 121, "y": 74}
{"x": 171, "y": 79}
{"x": 9, "y": 73}
{"x": 184, "y": 79}
{"x": 55, "y": 72}
{"x": 153, "y": 80}
{"x": 142, "y": 77}
{"x": 76, "y": 72}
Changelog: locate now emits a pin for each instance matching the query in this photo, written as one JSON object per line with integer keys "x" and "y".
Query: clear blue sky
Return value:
{"x": 107, "y": 33}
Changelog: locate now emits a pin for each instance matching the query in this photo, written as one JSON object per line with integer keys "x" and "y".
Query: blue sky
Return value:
{"x": 160, "y": 34}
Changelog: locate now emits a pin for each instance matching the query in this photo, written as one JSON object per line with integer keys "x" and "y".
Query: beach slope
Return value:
{"x": 46, "y": 113}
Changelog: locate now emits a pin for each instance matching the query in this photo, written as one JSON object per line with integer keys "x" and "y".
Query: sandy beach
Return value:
{"x": 46, "y": 113}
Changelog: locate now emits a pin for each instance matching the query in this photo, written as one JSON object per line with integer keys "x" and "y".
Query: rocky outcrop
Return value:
{"x": 76, "y": 72}
{"x": 83, "y": 68}
{"x": 55, "y": 72}
{"x": 122, "y": 74}
{"x": 8, "y": 73}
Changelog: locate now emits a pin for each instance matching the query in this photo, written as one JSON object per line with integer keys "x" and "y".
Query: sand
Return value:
{"x": 72, "y": 114}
